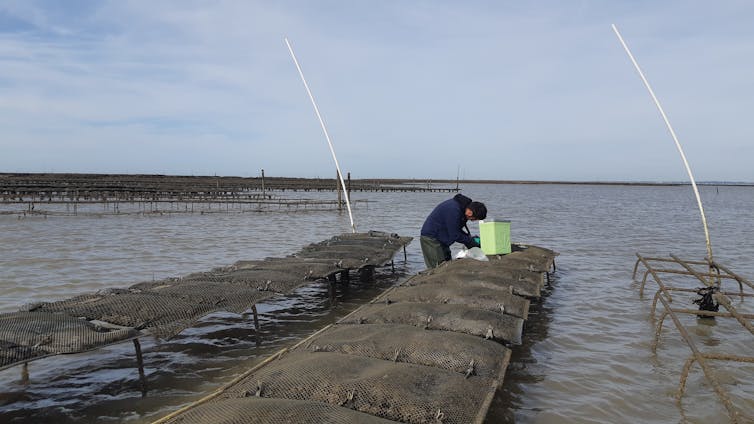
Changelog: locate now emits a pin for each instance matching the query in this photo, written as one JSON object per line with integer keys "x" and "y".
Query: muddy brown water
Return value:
{"x": 586, "y": 356}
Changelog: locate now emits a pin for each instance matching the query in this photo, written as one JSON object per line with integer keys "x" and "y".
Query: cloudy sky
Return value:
{"x": 536, "y": 90}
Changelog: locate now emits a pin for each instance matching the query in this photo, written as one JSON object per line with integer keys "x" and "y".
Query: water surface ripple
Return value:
{"x": 587, "y": 353}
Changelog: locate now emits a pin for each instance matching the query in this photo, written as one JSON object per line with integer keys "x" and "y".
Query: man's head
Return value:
{"x": 475, "y": 211}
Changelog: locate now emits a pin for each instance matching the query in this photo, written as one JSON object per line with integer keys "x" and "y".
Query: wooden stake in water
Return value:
{"x": 327, "y": 135}
{"x": 675, "y": 138}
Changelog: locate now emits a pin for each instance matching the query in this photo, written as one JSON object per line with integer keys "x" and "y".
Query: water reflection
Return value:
{"x": 525, "y": 367}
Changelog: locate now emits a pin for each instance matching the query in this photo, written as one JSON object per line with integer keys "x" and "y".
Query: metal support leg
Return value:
{"x": 331, "y": 292}
{"x": 257, "y": 328}
{"x": 366, "y": 274}
{"x": 25, "y": 374}
{"x": 140, "y": 363}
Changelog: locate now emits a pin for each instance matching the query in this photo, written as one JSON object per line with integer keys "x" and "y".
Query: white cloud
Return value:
{"x": 406, "y": 88}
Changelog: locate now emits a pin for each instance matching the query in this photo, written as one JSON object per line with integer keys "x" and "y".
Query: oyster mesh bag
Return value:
{"x": 393, "y": 390}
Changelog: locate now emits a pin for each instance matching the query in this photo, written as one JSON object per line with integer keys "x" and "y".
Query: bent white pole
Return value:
{"x": 327, "y": 135}
{"x": 675, "y": 138}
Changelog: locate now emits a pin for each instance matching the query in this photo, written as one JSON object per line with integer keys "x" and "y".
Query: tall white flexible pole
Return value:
{"x": 677, "y": 143}
{"x": 327, "y": 135}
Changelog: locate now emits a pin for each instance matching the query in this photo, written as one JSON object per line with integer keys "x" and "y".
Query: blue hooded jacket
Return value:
{"x": 447, "y": 221}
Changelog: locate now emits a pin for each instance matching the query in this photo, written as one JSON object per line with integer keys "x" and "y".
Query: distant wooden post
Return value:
{"x": 263, "y": 183}
{"x": 340, "y": 193}
{"x": 349, "y": 185}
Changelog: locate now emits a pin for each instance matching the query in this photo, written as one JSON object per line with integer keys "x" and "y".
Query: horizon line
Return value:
{"x": 406, "y": 180}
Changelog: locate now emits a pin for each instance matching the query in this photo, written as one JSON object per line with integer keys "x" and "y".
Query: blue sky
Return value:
{"x": 409, "y": 89}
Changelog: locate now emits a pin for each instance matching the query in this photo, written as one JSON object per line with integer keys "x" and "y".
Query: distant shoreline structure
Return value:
{"x": 315, "y": 183}
{"x": 606, "y": 183}
{"x": 52, "y": 194}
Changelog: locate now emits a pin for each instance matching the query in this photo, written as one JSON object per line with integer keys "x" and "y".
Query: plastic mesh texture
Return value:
{"x": 228, "y": 296}
{"x": 498, "y": 299}
{"x": 416, "y": 354}
{"x": 163, "y": 315}
{"x": 166, "y": 307}
{"x": 303, "y": 267}
{"x": 484, "y": 274}
{"x": 31, "y": 335}
{"x": 273, "y": 411}
{"x": 393, "y": 390}
{"x": 265, "y": 280}
{"x": 367, "y": 249}
{"x": 432, "y": 316}
{"x": 523, "y": 269}
{"x": 531, "y": 258}
{"x": 457, "y": 352}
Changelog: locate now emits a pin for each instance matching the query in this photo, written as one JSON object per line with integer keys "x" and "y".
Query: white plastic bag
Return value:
{"x": 473, "y": 253}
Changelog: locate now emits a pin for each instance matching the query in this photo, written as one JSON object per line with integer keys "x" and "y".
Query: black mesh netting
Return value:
{"x": 462, "y": 353}
{"x": 373, "y": 248}
{"x": 393, "y": 390}
{"x": 303, "y": 267}
{"x": 523, "y": 270}
{"x": 279, "y": 281}
{"x": 228, "y": 296}
{"x": 164, "y": 308}
{"x": 30, "y": 335}
{"x": 424, "y": 352}
{"x": 433, "y": 316}
{"x": 531, "y": 258}
{"x": 457, "y": 292}
{"x": 162, "y": 315}
{"x": 273, "y": 411}
{"x": 484, "y": 274}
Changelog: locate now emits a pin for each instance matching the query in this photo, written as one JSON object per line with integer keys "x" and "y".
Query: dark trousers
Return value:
{"x": 434, "y": 252}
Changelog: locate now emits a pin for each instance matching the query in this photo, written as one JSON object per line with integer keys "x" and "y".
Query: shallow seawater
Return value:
{"x": 586, "y": 356}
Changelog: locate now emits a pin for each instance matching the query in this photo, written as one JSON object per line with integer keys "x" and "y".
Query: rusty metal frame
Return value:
{"x": 715, "y": 275}
{"x": 727, "y": 273}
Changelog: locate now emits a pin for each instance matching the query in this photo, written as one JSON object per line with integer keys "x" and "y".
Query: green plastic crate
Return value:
{"x": 495, "y": 237}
